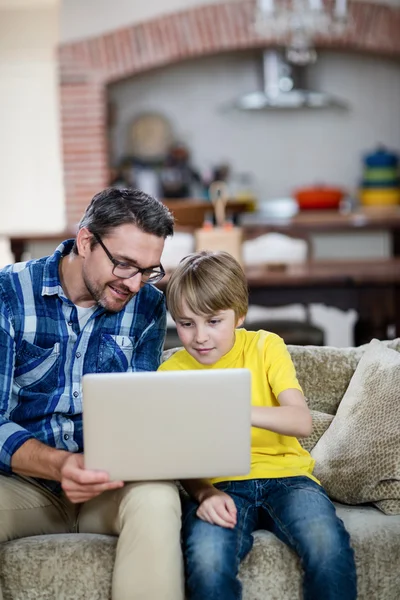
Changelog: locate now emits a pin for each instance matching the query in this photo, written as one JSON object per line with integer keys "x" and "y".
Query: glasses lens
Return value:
{"x": 151, "y": 276}
{"x": 124, "y": 272}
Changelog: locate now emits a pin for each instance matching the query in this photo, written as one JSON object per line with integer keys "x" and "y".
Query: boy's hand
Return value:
{"x": 218, "y": 508}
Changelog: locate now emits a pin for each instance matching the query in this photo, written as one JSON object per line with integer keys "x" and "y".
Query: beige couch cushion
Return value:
{"x": 357, "y": 458}
{"x": 320, "y": 423}
{"x": 325, "y": 372}
{"x": 79, "y": 566}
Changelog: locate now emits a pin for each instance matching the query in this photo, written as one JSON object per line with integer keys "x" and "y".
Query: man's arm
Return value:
{"x": 12, "y": 435}
{"x": 34, "y": 459}
{"x": 21, "y": 453}
{"x": 292, "y": 417}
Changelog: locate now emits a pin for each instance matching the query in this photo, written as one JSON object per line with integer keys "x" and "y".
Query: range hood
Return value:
{"x": 285, "y": 87}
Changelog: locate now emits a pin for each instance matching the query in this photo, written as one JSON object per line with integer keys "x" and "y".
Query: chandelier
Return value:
{"x": 296, "y": 24}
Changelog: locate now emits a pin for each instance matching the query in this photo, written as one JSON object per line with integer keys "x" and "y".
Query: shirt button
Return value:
{"x": 66, "y": 436}
{"x": 78, "y": 355}
{"x": 70, "y": 323}
{"x": 75, "y": 394}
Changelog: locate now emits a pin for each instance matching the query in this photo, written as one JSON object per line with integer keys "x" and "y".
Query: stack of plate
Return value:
{"x": 381, "y": 183}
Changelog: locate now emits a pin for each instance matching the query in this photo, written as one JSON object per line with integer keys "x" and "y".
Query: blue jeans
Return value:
{"x": 298, "y": 511}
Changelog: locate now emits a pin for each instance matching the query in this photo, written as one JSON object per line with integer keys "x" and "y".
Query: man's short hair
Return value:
{"x": 208, "y": 282}
{"x": 114, "y": 207}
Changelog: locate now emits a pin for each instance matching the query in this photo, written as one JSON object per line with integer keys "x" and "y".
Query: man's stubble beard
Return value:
{"x": 99, "y": 296}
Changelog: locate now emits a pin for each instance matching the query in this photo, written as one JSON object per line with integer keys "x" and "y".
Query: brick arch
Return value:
{"x": 88, "y": 66}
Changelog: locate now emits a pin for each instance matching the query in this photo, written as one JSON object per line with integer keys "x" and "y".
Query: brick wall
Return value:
{"x": 88, "y": 66}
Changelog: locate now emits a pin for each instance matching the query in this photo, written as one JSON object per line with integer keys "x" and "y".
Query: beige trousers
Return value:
{"x": 146, "y": 516}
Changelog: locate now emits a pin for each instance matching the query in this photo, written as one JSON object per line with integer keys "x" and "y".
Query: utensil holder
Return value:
{"x": 220, "y": 238}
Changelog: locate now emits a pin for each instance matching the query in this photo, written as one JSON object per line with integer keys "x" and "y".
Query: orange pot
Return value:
{"x": 316, "y": 198}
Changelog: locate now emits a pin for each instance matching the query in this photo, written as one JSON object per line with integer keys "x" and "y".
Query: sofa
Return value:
{"x": 79, "y": 566}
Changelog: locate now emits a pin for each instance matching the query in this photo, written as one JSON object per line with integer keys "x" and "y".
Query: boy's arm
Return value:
{"x": 292, "y": 417}
{"x": 215, "y": 507}
{"x": 198, "y": 489}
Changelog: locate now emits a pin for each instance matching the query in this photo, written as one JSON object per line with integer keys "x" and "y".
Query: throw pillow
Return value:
{"x": 357, "y": 458}
{"x": 320, "y": 423}
{"x": 325, "y": 372}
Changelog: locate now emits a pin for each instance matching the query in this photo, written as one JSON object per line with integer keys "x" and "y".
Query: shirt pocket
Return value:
{"x": 36, "y": 368}
{"x": 115, "y": 353}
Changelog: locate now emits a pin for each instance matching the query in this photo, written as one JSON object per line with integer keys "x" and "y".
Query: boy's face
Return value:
{"x": 207, "y": 337}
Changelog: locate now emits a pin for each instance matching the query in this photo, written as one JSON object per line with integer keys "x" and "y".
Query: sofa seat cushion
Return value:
{"x": 375, "y": 538}
{"x": 272, "y": 570}
{"x": 79, "y": 567}
{"x": 58, "y": 567}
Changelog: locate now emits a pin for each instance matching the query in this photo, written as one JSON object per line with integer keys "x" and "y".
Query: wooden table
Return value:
{"x": 370, "y": 287}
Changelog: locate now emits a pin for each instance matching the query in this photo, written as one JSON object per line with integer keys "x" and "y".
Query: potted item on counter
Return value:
{"x": 177, "y": 176}
{"x": 380, "y": 185}
{"x": 319, "y": 197}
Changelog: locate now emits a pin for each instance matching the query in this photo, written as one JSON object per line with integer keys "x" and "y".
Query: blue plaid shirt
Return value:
{"x": 44, "y": 353}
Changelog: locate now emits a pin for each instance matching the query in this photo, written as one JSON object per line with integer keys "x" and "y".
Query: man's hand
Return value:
{"x": 80, "y": 484}
{"x": 218, "y": 508}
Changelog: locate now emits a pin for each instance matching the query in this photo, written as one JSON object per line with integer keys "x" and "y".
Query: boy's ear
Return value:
{"x": 240, "y": 321}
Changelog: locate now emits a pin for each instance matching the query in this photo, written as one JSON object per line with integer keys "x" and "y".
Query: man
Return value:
{"x": 90, "y": 307}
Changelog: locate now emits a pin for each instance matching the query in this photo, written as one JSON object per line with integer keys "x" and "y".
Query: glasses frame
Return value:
{"x": 117, "y": 263}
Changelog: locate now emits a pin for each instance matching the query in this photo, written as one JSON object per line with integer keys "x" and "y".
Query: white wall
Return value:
{"x": 86, "y": 18}
{"x": 30, "y": 148}
{"x": 283, "y": 149}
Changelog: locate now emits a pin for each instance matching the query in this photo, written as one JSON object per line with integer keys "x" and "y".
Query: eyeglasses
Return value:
{"x": 126, "y": 271}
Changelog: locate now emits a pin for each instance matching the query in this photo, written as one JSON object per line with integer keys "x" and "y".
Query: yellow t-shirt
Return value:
{"x": 266, "y": 356}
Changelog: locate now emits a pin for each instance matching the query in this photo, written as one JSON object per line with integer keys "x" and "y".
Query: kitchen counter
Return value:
{"x": 190, "y": 214}
{"x": 326, "y": 222}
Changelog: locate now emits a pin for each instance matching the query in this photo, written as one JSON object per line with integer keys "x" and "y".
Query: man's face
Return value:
{"x": 128, "y": 244}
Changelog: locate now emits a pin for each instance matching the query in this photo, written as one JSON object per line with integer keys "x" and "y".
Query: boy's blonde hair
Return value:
{"x": 208, "y": 282}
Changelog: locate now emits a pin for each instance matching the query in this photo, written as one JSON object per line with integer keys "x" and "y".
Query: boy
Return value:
{"x": 208, "y": 299}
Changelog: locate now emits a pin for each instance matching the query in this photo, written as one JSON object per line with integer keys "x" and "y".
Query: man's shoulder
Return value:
{"x": 17, "y": 273}
{"x": 148, "y": 299}
{"x": 151, "y": 291}
{"x": 42, "y": 271}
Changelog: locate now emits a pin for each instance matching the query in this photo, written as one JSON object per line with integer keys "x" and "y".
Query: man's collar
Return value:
{"x": 51, "y": 276}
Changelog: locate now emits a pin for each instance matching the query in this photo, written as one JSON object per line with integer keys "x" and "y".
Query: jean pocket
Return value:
{"x": 36, "y": 368}
{"x": 115, "y": 353}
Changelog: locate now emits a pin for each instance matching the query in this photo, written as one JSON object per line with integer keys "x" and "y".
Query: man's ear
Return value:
{"x": 240, "y": 321}
{"x": 83, "y": 242}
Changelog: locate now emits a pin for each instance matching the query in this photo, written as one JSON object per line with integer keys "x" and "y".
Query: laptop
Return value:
{"x": 167, "y": 425}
